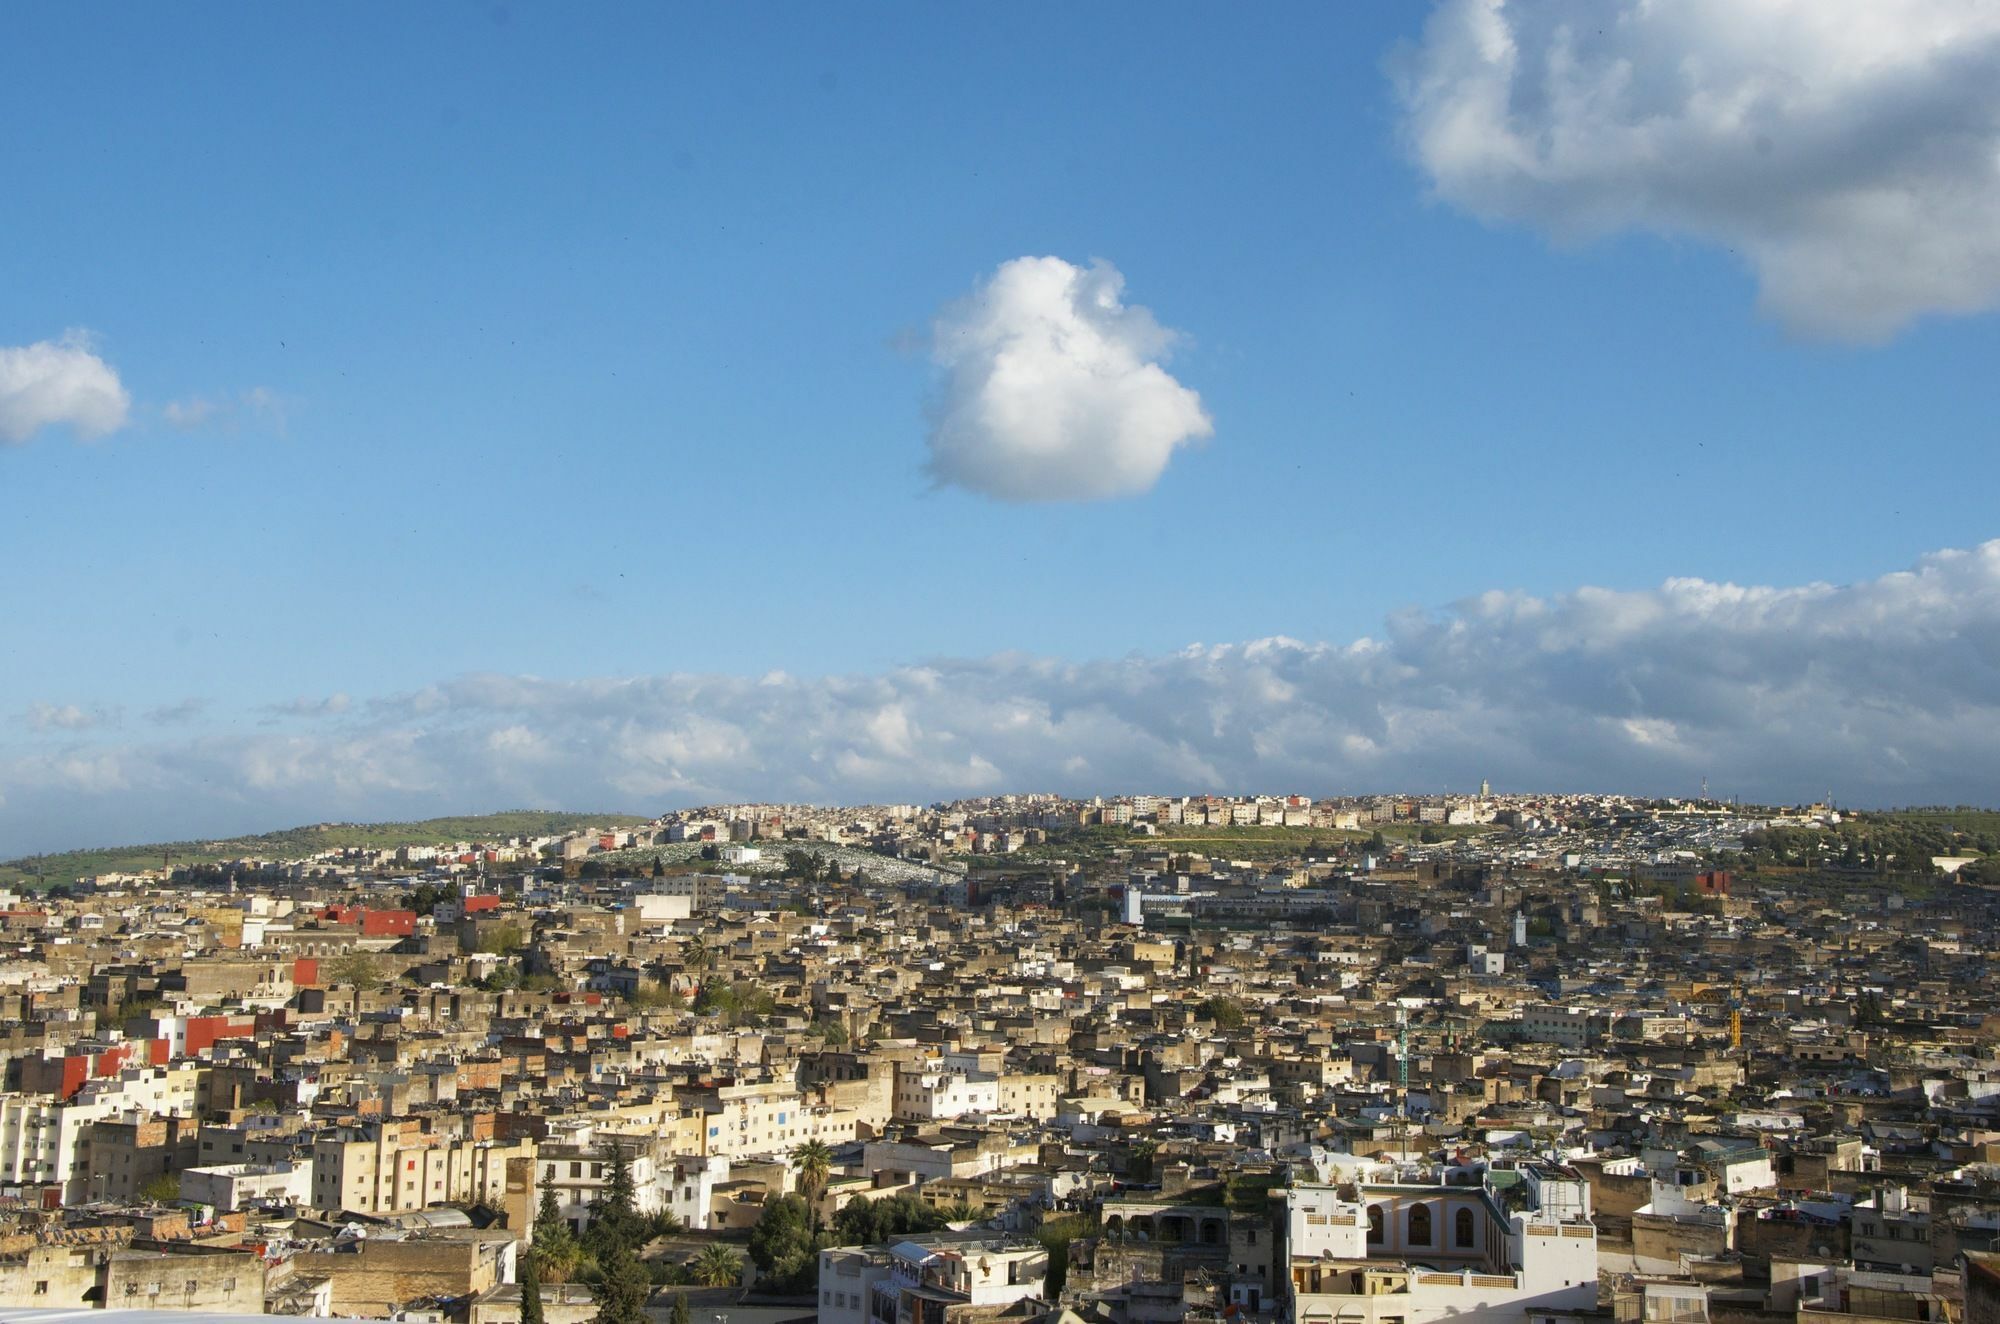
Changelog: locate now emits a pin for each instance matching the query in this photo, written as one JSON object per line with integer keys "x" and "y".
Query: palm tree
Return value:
{"x": 812, "y": 1161}
{"x": 697, "y": 953}
{"x": 557, "y": 1256}
{"x": 717, "y": 1266}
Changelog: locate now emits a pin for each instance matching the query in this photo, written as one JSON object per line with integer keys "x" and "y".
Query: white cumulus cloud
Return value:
{"x": 1848, "y": 150}
{"x": 1053, "y": 388}
{"x": 59, "y": 383}
{"x": 1884, "y": 691}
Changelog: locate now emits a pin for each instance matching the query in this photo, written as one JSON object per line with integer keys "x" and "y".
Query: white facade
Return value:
{"x": 660, "y": 907}
{"x": 231, "y": 1186}
{"x": 848, "y": 1277}
{"x": 41, "y": 1142}
{"x": 687, "y": 1186}
{"x": 938, "y": 1094}
{"x": 771, "y": 1119}
{"x": 1427, "y": 1254}
{"x": 579, "y": 1173}
{"x": 1321, "y": 1225}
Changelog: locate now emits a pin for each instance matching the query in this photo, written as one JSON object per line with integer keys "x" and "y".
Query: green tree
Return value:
{"x": 1141, "y": 1160}
{"x": 735, "y": 1003}
{"x": 652, "y": 995}
{"x": 356, "y": 968}
{"x": 556, "y": 1248}
{"x": 531, "y": 1290}
{"x": 812, "y": 1163}
{"x": 622, "y": 1285}
{"x": 501, "y": 939}
{"x": 1227, "y": 1013}
{"x": 783, "y": 1248}
{"x": 1055, "y": 1234}
{"x": 717, "y": 1266}
{"x": 679, "y": 1313}
{"x": 426, "y": 897}
{"x": 615, "y": 1218}
{"x": 871, "y": 1222}
{"x": 501, "y": 978}
{"x": 163, "y": 1189}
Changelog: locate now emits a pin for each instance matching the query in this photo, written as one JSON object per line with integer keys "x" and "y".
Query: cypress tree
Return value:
{"x": 531, "y": 1290}
{"x": 622, "y": 1286}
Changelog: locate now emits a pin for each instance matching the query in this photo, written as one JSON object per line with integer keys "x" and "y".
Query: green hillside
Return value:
{"x": 292, "y": 843}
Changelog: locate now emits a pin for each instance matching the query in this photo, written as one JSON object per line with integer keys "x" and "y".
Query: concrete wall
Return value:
{"x": 50, "y": 1277}
{"x": 1661, "y": 1244}
{"x": 226, "y": 1282}
{"x": 372, "y": 1278}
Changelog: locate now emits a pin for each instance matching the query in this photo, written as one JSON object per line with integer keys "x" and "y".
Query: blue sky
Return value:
{"x": 583, "y": 343}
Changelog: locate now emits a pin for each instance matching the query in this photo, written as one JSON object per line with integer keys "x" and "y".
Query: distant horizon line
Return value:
{"x": 18, "y": 861}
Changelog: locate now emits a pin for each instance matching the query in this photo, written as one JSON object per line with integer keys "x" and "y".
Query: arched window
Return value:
{"x": 1462, "y": 1229}
{"x": 1374, "y": 1224}
{"x": 1420, "y": 1225}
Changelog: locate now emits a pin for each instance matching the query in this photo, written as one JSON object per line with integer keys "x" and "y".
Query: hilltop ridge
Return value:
{"x": 294, "y": 842}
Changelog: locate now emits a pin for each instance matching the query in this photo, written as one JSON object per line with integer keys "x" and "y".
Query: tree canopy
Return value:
{"x": 783, "y": 1247}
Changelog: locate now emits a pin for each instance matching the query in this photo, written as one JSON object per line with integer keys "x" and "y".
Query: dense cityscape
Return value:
{"x": 1113, "y": 663}
{"x": 1396, "y": 1060}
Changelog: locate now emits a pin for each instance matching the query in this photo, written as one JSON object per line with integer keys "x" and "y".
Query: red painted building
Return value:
{"x": 373, "y": 923}
{"x": 388, "y": 923}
